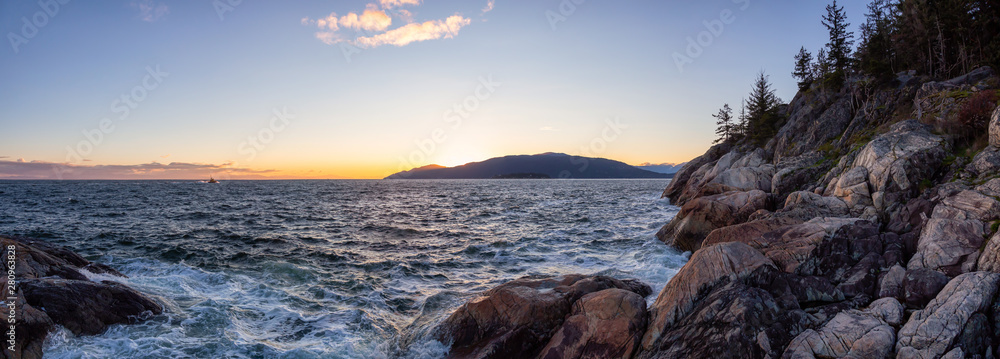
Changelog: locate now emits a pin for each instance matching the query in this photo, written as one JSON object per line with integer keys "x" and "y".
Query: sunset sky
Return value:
{"x": 363, "y": 89}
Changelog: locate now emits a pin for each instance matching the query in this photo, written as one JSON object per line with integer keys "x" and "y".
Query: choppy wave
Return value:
{"x": 330, "y": 269}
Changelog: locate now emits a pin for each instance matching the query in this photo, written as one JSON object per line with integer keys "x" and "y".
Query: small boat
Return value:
{"x": 212, "y": 180}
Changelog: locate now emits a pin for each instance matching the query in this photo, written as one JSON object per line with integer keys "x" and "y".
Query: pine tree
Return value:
{"x": 724, "y": 121}
{"x": 822, "y": 67}
{"x": 762, "y": 114}
{"x": 803, "y": 69}
{"x": 875, "y": 50}
{"x": 841, "y": 40}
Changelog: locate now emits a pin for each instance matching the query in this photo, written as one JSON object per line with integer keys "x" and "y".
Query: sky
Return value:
{"x": 242, "y": 89}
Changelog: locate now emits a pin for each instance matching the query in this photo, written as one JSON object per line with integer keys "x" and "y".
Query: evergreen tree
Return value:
{"x": 841, "y": 40}
{"x": 822, "y": 67}
{"x": 762, "y": 111}
{"x": 726, "y": 128}
{"x": 875, "y": 50}
{"x": 803, "y": 69}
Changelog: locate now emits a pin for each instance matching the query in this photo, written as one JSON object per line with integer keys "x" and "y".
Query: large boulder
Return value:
{"x": 898, "y": 160}
{"x": 932, "y": 332}
{"x": 857, "y": 334}
{"x": 890, "y": 284}
{"x": 788, "y": 247}
{"x": 968, "y": 204}
{"x": 53, "y": 289}
{"x": 949, "y": 245}
{"x": 734, "y": 320}
{"x": 605, "y": 324}
{"x": 852, "y": 188}
{"x": 990, "y": 259}
{"x": 921, "y": 285}
{"x": 517, "y": 318}
{"x": 698, "y": 218}
{"x": 804, "y": 205}
{"x": 705, "y": 268}
{"x": 686, "y": 182}
{"x": 986, "y": 162}
{"x": 749, "y": 232}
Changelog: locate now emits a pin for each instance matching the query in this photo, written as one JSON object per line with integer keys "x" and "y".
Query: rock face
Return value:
{"x": 995, "y": 128}
{"x": 931, "y": 332}
{"x": 803, "y": 205}
{"x": 921, "y": 285}
{"x": 706, "y": 267}
{"x": 701, "y": 216}
{"x": 990, "y": 259}
{"x": 517, "y": 319}
{"x": 605, "y": 324}
{"x": 851, "y": 334}
{"x": 53, "y": 290}
{"x": 948, "y": 245}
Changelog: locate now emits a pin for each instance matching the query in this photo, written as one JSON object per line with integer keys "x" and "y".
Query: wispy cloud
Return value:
{"x": 430, "y": 30}
{"x": 489, "y": 6}
{"x": 21, "y": 169}
{"x": 395, "y": 3}
{"x": 371, "y": 27}
{"x": 150, "y": 11}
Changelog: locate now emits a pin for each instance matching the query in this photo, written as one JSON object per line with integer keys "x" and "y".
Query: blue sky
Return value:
{"x": 264, "y": 89}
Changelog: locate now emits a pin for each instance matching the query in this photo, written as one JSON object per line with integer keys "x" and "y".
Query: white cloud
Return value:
{"x": 489, "y": 6}
{"x": 150, "y": 11}
{"x": 429, "y": 30}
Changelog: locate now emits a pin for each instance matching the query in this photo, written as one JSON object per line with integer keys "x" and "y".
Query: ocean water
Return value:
{"x": 331, "y": 269}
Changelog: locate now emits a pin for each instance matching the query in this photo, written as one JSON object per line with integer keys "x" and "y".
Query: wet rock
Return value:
{"x": 930, "y": 332}
{"x": 517, "y": 318}
{"x": 605, "y": 324}
{"x": 706, "y": 267}
{"x": 701, "y": 216}
{"x": 948, "y": 245}
{"x": 86, "y": 307}
{"x": 53, "y": 290}
{"x": 851, "y": 334}
{"x": 921, "y": 285}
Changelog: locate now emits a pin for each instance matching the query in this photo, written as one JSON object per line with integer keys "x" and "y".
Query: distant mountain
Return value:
{"x": 553, "y": 165}
{"x": 669, "y": 168}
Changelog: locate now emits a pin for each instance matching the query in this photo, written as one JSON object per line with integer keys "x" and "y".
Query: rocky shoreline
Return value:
{"x": 858, "y": 231}
{"x": 52, "y": 290}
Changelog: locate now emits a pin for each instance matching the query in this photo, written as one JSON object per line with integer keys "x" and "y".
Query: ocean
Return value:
{"x": 331, "y": 269}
